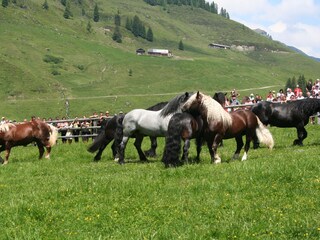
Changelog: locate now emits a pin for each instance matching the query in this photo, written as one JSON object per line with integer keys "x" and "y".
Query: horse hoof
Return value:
{"x": 116, "y": 160}
{"x": 297, "y": 143}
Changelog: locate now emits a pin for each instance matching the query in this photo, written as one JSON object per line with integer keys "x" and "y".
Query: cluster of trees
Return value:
{"x": 293, "y": 82}
{"x": 137, "y": 27}
{"x": 213, "y": 7}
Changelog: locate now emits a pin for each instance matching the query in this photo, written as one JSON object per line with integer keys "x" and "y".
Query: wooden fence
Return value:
{"x": 93, "y": 127}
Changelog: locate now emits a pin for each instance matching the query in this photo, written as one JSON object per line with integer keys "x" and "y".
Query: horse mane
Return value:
{"x": 6, "y": 127}
{"x": 215, "y": 112}
{"x": 174, "y": 105}
{"x": 158, "y": 106}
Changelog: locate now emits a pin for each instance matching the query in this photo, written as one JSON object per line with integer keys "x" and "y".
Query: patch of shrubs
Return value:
{"x": 52, "y": 59}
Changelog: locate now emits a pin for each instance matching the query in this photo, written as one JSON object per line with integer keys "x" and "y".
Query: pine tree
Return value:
{"x": 5, "y": 3}
{"x": 96, "y": 15}
{"x": 63, "y": 2}
{"x": 288, "y": 84}
{"x": 129, "y": 24}
{"x": 45, "y": 5}
{"x": 117, "y": 35}
{"x": 89, "y": 27}
{"x": 142, "y": 31}
{"x": 67, "y": 12}
{"x": 136, "y": 26}
{"x": 117, "y": 19}
{"x": 181, "y": 46}
{"x": 149, "y": 35}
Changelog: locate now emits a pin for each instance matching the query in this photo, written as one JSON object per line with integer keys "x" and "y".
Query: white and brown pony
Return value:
{"x": 219, "y": 124}
{"x": 43, "y": 134}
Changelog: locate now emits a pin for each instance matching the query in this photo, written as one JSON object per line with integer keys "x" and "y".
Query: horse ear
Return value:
{"x": 198, "y": 94}
{"x": 225, "y": 94}
{"x": 187, "y": 94}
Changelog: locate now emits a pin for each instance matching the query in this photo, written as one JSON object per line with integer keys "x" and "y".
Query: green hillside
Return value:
{"x": 93, "y": 72}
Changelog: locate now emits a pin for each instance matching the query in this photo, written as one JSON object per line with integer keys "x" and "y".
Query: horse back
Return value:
{"x": 242, "y": 121}
{"x": 22, "y": 134}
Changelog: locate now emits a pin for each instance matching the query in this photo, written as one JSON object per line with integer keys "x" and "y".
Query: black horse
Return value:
{"x": 182, "y": 126}
{"x": 291, "y": 114}
{"x": 220, "y": 97}
{"x": 111, "y": 130}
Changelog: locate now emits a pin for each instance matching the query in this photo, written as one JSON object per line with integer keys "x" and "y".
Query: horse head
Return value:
{"x": 220, "y": 97}
{"x": 193, "y": 104}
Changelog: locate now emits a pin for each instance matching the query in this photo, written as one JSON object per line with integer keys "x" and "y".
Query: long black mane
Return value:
{"x": 174, "y": 105}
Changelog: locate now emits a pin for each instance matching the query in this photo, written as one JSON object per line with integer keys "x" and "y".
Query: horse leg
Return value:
{"x": 302, "y": 134}
{"x": 2, "y": 148}
{"x": 115, "y": 151}
{"x": 247, "y": 146}
{"x": 256, "y": 143}
{"x": 152, "y": 151}
{"x": 199, "y": 146}
{"x": 239, "y": 147}
{"x": 48, "y": 148}
{"x": 6, "y": 160}
{"x": 41, "y": 150}
{"x": 217, "y": 140}
{"x": 209, "y": 144}
{"x": 185, "y": 154}
{"x": 97, "y": 157}
{"x": 122, "y": 149}
{"x": 137, "y": 144}
{"x": 213, "y": 145}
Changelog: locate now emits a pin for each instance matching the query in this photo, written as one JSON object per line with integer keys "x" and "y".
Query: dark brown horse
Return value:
{"x": 219, "y": 124}
{"x": 43, "y": 134}
{"x": 182, "y": 126}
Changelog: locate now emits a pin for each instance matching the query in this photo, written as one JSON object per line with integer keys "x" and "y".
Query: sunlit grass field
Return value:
{"x": 272, "y": 195}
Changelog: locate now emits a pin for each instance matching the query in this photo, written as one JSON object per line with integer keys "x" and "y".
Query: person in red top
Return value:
{"x": 297, "y": 91}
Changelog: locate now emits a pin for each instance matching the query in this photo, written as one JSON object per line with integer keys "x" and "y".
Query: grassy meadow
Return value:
{"x": 272, "y": 195}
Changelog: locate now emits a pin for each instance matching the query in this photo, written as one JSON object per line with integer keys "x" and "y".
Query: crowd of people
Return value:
{"x": 312, "y": 90}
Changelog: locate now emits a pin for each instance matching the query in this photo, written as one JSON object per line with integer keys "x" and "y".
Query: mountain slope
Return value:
{"x": 93, "y": 72}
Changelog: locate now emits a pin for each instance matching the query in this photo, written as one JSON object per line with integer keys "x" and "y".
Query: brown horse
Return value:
{"x": 219, "y": 124}
{"x": 43, "y": 134}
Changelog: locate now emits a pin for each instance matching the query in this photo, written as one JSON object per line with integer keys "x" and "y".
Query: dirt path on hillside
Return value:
{"x": 168, "y": 94}
{"x": 141, "y": 95}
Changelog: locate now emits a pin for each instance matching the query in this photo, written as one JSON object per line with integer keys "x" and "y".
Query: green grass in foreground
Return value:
{"x": 273, "y": 195}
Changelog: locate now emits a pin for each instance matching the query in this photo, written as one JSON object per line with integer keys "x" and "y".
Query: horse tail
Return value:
{"x": 53, "y": 135}
{"x": 172, "y": 148}
{"x": 264, "y": 135}
{"x": 98, "y": 141}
